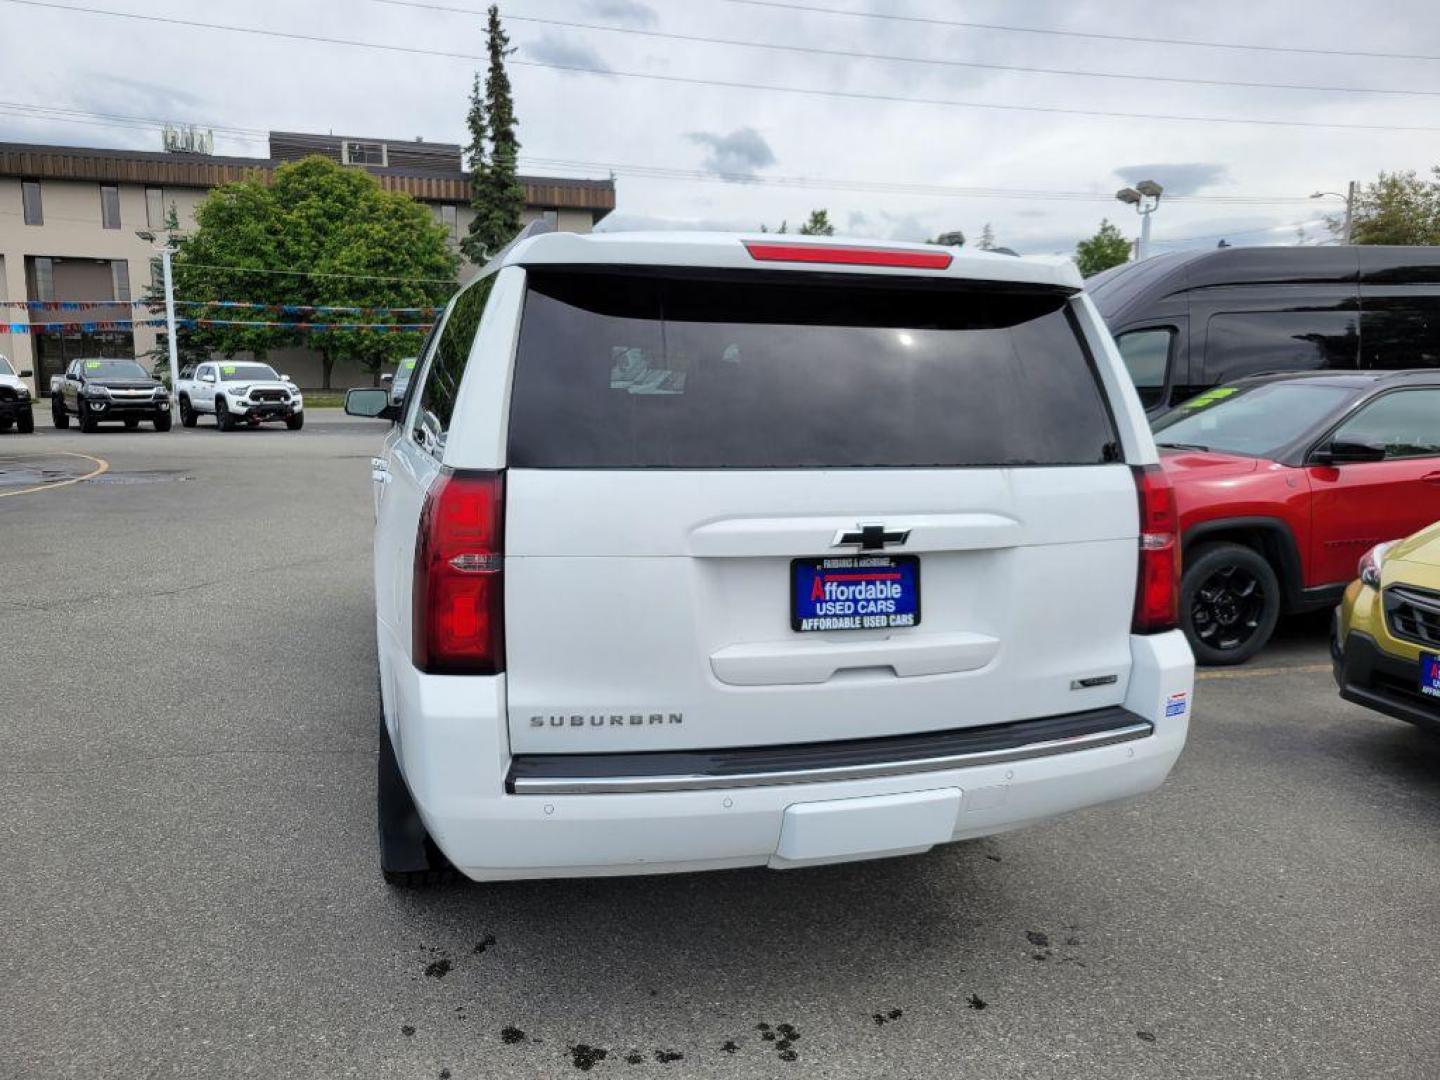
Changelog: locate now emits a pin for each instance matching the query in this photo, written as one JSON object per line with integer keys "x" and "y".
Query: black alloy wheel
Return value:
{"x": 1230, "y": 602}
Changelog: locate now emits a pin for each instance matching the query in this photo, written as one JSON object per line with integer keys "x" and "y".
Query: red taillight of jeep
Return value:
{"x": 1157, "y": 589}
{"x": 458, "y": 623}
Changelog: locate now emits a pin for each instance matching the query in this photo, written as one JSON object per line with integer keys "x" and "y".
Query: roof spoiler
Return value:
{"x": 538, "y": 227}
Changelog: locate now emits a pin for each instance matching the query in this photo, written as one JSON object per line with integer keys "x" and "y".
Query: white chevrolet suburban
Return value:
{"x": 704, "y": 551}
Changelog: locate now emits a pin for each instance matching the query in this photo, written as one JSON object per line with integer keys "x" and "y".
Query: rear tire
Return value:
{"x": 1229, "y": 603}
{"x": 296, "y": 422}
{"x": 187, "y": 413}
{"x": 5, "y": 424}
{"x": 131, "y": 425}
{"x": 58, "y": 416}
{"x": 223, "y": 420}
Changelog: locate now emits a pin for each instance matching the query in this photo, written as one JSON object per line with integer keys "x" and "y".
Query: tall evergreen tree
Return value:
{"x": 476, "y": 158}
{"x": 496, "y": 193}
{"x": 987, "y": 238}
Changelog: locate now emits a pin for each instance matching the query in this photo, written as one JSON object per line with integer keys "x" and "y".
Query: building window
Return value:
{"x": 552, "y": 218}
{"x": 110, "y": 206}
{"x": 450, "y": 218}
{"x": 364, "y": 153}
{"x": 43, "y": 286}
{"x": 120, "y": 279}
{"x": 30, "y": 195}
{"x": 154, "y": 208}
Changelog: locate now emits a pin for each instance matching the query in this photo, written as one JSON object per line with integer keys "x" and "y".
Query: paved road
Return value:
{"x": 189, "y": 885}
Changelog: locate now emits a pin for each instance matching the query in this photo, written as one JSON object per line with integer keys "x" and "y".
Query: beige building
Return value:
{"x": 69, "y": 218}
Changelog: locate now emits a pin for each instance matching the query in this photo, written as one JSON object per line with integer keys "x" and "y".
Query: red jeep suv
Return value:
{"x": 1282, "y": 482}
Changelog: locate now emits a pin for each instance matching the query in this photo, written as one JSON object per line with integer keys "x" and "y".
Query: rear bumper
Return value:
{"x": 450, "y": 740}
{"x": 1369, "y": 676}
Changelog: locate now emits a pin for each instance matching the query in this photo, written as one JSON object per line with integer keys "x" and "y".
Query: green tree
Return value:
{"x": 1107, "y": 248}
{"x": 1398, "y": 208}
{"x": 818, "y": 225}
{"x": 187, "y": 350}
{"x": 351, "y": 244}
{"x": 496, "y": 194}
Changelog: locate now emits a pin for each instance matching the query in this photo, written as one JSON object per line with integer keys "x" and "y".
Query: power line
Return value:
{"x": 660, "y": 172}
{"x": 1239, "y": 232}
{"x": 894, "y": 58}
{"x": 848, "y": 95}
{"x": 1133, "y": 38}
{"x": 319, "y": 273}
{"x": 890, "y": 187}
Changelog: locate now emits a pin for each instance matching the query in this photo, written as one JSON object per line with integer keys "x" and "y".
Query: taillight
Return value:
{"x": 458, "y": 626}
{"x": 1157, "y": 590}
{"x": 846, "y": 255}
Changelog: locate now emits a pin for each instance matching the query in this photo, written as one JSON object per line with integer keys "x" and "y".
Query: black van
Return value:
{"x": 1192, "y": 319}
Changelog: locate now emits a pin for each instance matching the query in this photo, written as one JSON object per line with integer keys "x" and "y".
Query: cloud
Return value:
{"x": 740, "y": 153}
{"x": 553, "y": 49}
{"x": 629, "y": 12}
{"x": 1177, "y": 178}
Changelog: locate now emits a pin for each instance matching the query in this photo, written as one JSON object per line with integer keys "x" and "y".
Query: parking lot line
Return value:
{"x": 101, "y": 465}
{"x": 1247, "y": 673}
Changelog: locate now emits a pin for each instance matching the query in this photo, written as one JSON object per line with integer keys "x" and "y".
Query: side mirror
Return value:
{"x": 386, "y": 379}
{"x": 27, "y": 374}
{"x": 1349, "y": 452}
{"x": 371, "y": 402}
{"x": 286, "y": 378}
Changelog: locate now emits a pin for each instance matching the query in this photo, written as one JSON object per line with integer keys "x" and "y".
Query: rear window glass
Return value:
{"x": 618, "y": 370}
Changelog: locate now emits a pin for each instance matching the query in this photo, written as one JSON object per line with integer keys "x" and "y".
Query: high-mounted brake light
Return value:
{"x": 1157, "y": 588}
{"x": 458, "y": 624}
{"x": 848, "y": 256}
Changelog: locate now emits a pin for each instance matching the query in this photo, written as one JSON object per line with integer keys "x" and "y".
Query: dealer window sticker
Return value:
{"x": 227, "y": 369}
{"x": 1210, "y": 397}
{"x": 92, "y": 365}
{"x": 636, "y": 371}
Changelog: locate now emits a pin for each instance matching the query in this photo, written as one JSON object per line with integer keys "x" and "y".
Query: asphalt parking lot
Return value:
{"x": 190, "y": 887}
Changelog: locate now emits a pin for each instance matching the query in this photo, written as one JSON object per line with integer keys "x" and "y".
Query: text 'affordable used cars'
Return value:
{"x": 706, "y": 551}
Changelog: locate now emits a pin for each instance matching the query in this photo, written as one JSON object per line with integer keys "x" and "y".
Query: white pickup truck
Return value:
{"x": 239, "y": 393}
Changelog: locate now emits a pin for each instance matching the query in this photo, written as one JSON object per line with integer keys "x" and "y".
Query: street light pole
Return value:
{"x": 1145, "y": 198}
{"x": 170, "y": 324}
{"x": 1348, "y": 232}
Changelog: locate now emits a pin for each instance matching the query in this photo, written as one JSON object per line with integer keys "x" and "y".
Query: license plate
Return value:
{"x": 1430, "y": 674}
{"x": 855, "y": 592}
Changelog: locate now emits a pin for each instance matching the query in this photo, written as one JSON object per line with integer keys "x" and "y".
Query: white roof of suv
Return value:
{"x": 736, "y": 251}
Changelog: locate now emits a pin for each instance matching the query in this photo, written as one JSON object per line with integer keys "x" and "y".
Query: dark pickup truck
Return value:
{"x": 97, "y": 391}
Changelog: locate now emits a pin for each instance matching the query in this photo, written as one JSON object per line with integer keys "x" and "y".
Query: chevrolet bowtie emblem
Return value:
{"x": 869, "y": 537}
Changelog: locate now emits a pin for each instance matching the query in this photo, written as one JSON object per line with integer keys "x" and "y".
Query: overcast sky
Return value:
{"x": 116, "y": 66}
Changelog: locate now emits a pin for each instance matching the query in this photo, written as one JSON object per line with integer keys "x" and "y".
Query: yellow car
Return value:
{"x": 1386, "y": 636}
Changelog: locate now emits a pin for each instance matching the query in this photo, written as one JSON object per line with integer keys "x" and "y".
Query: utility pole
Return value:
{"x": 170, "y": 325}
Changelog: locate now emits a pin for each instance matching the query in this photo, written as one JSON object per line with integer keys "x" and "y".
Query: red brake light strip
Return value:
{"x": 848, "y": 256}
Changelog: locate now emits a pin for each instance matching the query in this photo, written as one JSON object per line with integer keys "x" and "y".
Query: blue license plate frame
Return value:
{"x": 1430, "y": 674}
{"x": 854, "y": 592}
